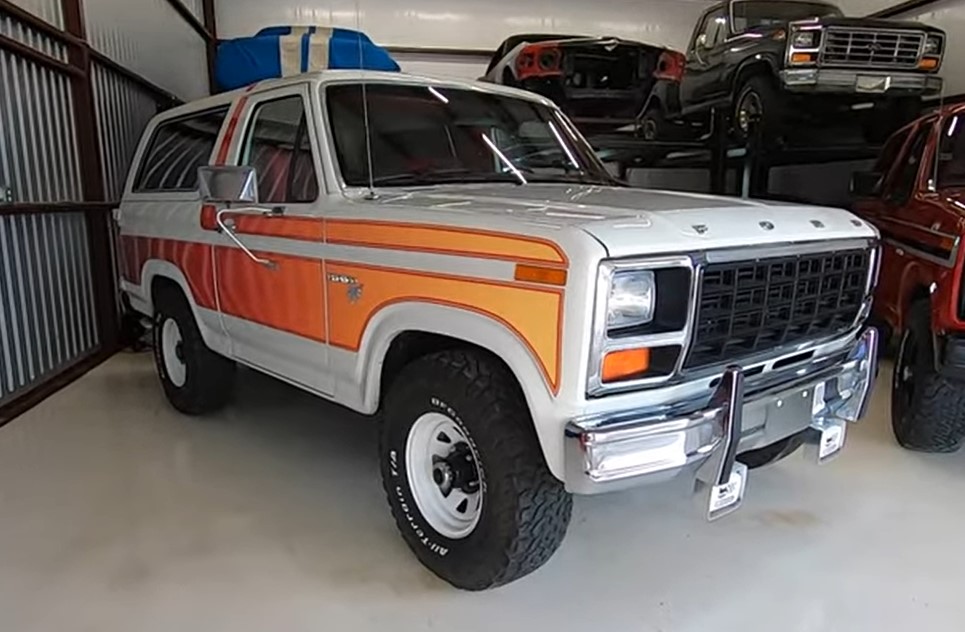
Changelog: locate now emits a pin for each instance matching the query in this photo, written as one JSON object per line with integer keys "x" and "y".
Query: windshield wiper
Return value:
{"x": 443, "y": 177}
{"x": 578, "y": 178}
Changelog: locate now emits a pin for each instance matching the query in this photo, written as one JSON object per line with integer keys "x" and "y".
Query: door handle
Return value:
{"x": 227, "y": 226}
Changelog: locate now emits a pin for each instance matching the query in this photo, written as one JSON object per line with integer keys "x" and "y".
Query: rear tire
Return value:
{"x": 777, "y": 451}
{"x": 927, "y": 411}
{"x": 195, "y": 379}
{"x": 484, "y": 510}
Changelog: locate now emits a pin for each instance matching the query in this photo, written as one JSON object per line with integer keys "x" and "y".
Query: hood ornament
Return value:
{"x": 766, "y": 225}
{"x": 700, "y": 229}
{"x": 817, "y": 223}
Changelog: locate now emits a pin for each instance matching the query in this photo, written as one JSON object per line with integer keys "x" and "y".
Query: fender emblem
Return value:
{"x": 354, "y": 292}
{"x": 766, "y": 225}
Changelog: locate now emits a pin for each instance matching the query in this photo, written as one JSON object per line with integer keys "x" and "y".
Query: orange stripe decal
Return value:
{"x": 232, "y": 126}
{"x": 298, "y": 228}
{"x": 444, "y": 240}
{"x": 288, "y": 296}
{"x": 534, "y": 314}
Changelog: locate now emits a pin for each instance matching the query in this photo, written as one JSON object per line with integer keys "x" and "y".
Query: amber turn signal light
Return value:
{"x": 540, "y": 274}
{"x": 802, "y": 58}
{"x": 928, "y": 63}
{"x": 620, "y": 365}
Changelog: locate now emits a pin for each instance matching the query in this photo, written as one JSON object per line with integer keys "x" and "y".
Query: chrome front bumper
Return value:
{"x": 632, "y": 448}
{"x": 859, "y": 82}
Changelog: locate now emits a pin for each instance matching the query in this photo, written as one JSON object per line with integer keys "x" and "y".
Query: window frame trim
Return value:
{"x": 304, "y": 125}
{"x": 136, "y": 186}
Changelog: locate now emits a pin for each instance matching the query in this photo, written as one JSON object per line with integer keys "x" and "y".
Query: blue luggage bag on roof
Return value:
{"x": 282, "y": 51}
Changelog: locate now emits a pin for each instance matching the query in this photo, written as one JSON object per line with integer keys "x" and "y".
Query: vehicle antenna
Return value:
{"x": 936, "y": 158}
{"x": 370, "y": 194}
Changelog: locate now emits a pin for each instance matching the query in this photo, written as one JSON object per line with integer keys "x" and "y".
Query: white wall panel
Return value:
{"x": 468, "y": 23}
{"x": 150, "y": 38}
{"x": 950, "y": 16}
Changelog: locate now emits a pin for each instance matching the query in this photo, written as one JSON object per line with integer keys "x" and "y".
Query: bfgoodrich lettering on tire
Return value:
{"x": 195, "y": 379}
{"x": 464, "y": 474}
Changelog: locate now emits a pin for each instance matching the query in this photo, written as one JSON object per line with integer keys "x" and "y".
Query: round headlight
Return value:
{"x": 933, "y": 45}
{"x": 632, "y": 297}
{"x": 805, "y": 39}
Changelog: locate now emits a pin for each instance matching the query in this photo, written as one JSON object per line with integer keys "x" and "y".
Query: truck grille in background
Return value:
{"x": 869, "y": 48}
{"x": 752, "y": 306}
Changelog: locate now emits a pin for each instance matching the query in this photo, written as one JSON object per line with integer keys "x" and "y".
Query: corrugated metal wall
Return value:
{"x": 68, "y": 132}
{"x": 48, "y": 10}
{"x": 150, "y": 38}
{"x": 123, "y": 111}
{"x": 38, "y": 146}
{"x": 47, "y": 317}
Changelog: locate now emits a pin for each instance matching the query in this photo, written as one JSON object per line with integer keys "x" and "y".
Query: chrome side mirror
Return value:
{"x": 224, "y": 184}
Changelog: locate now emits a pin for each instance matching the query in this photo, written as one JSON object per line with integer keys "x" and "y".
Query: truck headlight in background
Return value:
{"x": 805, "y": 39}
{"x": 631, "y": 300}
{"x": 933, "y": 45}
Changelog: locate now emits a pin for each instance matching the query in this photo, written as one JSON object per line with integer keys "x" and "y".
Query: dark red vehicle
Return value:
{"x": 916, "y": 198}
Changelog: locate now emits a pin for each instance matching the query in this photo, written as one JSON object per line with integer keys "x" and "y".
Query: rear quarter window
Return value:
{"x": 176, "y": 149}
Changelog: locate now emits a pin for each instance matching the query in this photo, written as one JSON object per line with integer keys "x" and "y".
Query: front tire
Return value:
{"x": 464, "y": 474}
{"x": 760, "y": 102}
{"x": 927, "y": 412}
{"x": 195, "y": 379}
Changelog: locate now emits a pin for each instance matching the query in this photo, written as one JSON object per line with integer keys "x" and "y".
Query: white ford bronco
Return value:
{"x": 452, "y": 257}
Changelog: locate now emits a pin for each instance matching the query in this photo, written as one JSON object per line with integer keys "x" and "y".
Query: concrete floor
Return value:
{"x": 118, "y": 514}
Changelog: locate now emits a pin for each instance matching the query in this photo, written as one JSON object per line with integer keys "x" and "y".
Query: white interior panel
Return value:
{"x": 468, "y": 24}
{"x": 150, "y": 38}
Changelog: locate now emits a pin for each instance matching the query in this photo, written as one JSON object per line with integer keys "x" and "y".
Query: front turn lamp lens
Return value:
{"x": 631, "y": 301}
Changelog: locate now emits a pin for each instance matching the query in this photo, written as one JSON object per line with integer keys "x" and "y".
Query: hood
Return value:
{"x": 629, "y": 222}
{"x": 877, "y": 23}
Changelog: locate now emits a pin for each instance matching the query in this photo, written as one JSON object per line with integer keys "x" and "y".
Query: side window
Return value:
{"x": 715, "y": 29}
{"x": 906, "y": 176}
{"x": 278, "y": 147}
{"x": 889, "y": 153}
{"x": 177, "y": 149}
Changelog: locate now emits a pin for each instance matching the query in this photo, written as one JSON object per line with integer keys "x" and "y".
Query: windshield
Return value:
{"x": 951, "y": 158}
{"x": 749, "y": 14}
{"x": 431, "y": 135}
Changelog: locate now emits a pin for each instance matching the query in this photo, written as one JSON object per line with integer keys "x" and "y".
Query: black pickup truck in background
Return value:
{"x": 776, "y": 63}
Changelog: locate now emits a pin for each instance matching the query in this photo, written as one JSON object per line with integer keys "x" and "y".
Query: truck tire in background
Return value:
{"x": 927, "y": 411}
{"x": 195, "y": 379}
{"x": 464, "y": 473}
{"x": 758, "y": 98}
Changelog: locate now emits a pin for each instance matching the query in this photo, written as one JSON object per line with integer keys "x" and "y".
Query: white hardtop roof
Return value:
{"x": 326, "y": 77}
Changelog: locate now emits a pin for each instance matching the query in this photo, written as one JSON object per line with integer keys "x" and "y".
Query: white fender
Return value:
{"x": 474, "y": 328}
{"x": 209, "y": 322}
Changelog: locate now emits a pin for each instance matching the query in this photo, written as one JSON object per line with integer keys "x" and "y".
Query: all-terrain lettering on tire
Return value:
{"x": 482, "y": 509}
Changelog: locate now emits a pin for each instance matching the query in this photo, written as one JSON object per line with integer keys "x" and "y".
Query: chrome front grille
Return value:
{"x": 748, "y": 307}
{"x": 871, "y": 48}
